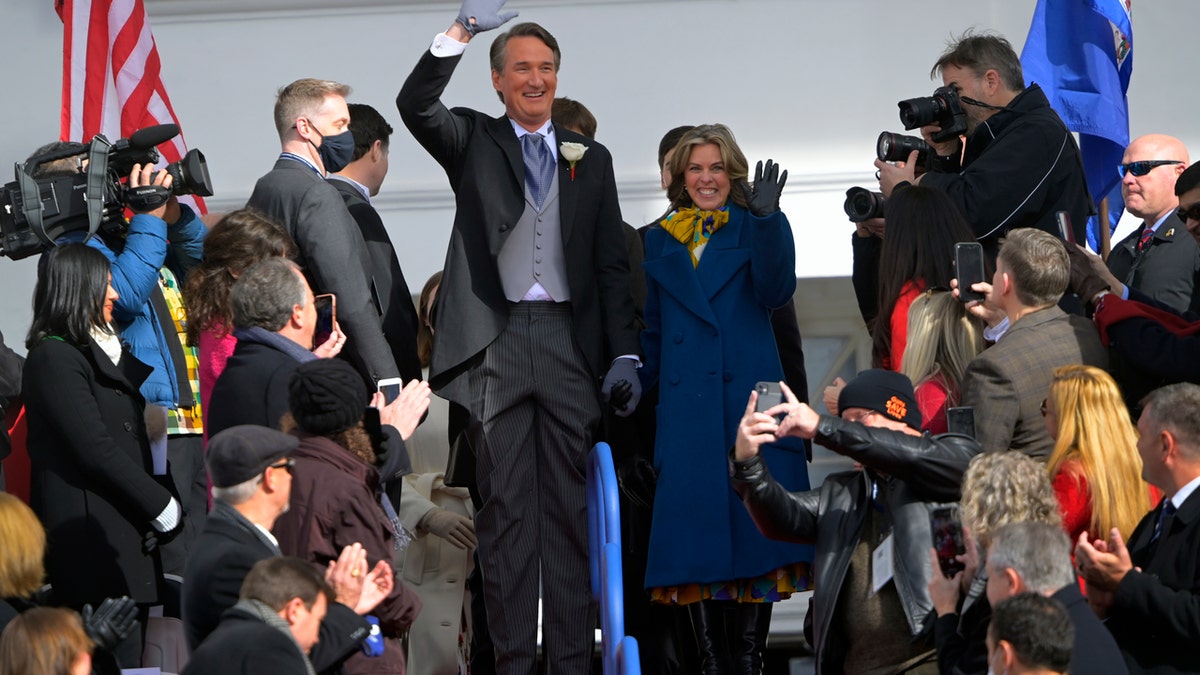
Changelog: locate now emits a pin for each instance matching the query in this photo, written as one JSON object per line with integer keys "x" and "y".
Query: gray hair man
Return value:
{"x": 251, "y": 474}
{"x": 1032, "y": 557}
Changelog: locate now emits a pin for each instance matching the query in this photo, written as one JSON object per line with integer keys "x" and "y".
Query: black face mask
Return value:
{"x": 336, "y": 150}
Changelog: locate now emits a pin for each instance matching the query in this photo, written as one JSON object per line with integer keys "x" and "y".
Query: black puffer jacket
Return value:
{"x": 912, "y": 475}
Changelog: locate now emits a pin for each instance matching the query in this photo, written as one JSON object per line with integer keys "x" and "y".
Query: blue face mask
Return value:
{"x": 336, "y": 150}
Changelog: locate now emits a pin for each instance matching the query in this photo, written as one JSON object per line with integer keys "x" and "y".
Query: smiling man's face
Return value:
{"x": 528, "y": 81}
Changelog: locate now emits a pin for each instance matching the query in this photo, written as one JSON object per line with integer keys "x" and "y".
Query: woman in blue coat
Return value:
{"x": 715, "y": 268}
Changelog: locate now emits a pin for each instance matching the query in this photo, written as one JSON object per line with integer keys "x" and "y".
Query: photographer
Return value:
{"x": 149, "y": 255}
{"x": 1020, "y": 164}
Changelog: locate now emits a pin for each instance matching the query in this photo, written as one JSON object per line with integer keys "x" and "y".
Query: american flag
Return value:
{"x": 112, "y": 76}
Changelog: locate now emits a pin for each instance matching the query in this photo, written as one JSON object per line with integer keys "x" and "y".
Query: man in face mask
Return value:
{"x": 314, "y": 132}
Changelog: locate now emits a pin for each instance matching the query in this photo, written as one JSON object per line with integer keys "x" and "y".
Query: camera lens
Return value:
{"x": 189, "y": 176}
{"x": 897, "y": 147}
{"x": 918, "y": 112}
{"x": 862, "y": 204}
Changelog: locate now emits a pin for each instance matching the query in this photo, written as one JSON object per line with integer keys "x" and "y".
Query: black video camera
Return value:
{"x": 34, "y": 212}
{"x": 943, "y": 109}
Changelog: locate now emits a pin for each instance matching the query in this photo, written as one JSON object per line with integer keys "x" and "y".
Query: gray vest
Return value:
{"x": 533, "y": 251}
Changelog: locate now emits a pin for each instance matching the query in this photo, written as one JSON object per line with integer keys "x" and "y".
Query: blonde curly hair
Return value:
{"x": 1006, "y": 487}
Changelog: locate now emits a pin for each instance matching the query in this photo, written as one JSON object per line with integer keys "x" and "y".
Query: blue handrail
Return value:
{"x": 619, "y": 652}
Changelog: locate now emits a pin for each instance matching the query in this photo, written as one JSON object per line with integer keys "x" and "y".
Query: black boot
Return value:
{"x": 709, "y": 625}
{"x": 748, "y": 636}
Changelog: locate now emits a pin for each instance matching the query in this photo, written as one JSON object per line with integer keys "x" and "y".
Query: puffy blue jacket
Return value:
{"x": 149, "y": 244}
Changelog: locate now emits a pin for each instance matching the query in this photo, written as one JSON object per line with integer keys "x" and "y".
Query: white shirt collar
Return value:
{"x": 267, "y": 532}
{"x": 366, "y": 193}
{"x": 1184, "y": 492}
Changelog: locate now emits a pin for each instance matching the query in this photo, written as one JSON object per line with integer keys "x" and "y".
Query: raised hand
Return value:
{"x": 477, "y": 16}
{"x": 109, "y": 625}
{"x": 763, "y": 198}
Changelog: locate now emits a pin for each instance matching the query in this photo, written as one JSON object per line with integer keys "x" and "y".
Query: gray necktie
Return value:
{"x": 539, "y": 166}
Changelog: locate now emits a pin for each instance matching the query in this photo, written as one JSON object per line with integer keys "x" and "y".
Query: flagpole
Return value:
{"x": 1105, "y": 232}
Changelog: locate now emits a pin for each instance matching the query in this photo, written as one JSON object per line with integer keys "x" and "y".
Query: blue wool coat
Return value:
{"x": 708, "y": 340}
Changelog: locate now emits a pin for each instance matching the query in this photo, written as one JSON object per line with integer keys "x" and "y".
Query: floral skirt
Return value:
{"x": 776, "y": 585}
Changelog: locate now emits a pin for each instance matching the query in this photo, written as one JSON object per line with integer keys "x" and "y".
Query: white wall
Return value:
{"x": 808, "y": 82}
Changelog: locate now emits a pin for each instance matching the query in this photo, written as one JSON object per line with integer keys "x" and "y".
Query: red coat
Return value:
{"x": 335, "y": 503}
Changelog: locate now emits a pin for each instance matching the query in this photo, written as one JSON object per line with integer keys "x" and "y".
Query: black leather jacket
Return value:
{"x": 913, "y": 474}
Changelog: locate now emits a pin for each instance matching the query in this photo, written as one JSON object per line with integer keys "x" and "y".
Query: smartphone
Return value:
{"x": 947, "y": 539}
{"x": 390, "y": 388}
{"x": 968, "y": 268}
{"x": 769, "y": 396}
{"x": 326, "y": 305}
{"x": 1064, "y": 226}
{"x": 961, "y": 420}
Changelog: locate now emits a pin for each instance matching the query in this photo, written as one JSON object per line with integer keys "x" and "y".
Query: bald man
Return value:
{"x": 1159, "y": 258}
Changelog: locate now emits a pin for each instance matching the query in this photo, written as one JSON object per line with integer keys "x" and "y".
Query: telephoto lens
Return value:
{"x": 897, "y": 147}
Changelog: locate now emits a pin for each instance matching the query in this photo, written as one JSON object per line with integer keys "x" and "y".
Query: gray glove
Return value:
{"x": 622, "y": 370}
{"x": 457, "y": 529}
{"x": 763, "y": 198}
{"x": 479, "y": 15}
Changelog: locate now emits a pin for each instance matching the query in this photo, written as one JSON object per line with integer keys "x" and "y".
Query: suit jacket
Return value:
{"x": 90, "y": 481}
{"x": 244, "y": 645}
{"x": 333, "y": 255}
{"x": 220, "y": 561}
{"x": 1094, "y": 650}
{"x": 1155, "y": 616}
{"x": 482, "y": 158}
{"x": 1167, "y": 271}
{"x": 253, "y": 388}
{"x": 395, "y": 300}
{"x": 1007, "y": 382}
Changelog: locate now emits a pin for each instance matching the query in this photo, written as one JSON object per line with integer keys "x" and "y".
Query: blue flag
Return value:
{"x": 1081, "y": 53}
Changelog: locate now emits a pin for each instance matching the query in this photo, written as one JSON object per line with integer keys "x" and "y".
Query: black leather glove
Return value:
{"x": 112, "y": 623}
{"x": 622, "y": 370}
{"x": 763, "y": 198}
{"x": 479, "y": 15}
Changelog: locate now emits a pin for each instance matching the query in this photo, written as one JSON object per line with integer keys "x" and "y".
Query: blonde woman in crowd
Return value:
{"x": 45, "y": 641}
{"x": 942, "y": 339}
{"x": 1094, "y": 466}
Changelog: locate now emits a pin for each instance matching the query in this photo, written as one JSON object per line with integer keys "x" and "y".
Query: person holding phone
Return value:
{"x": 715, "y": 268}
{"x": 275, "y": 318}
{"x": 863, "y": 621}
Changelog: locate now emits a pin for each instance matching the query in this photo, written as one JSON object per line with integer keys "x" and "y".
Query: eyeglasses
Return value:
{"x": 286, "y": 465}
{"x": 1186, "y": 212}
{"x": 1144, "y": 167}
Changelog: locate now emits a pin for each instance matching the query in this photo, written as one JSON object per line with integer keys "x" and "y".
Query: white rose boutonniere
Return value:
{"x": 572, "y": 152}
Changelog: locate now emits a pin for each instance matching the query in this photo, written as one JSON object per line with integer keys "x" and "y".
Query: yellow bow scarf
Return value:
{"x": 693, "y": 227}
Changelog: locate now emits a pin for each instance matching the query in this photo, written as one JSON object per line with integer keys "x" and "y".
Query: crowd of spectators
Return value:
{"x": 1024, "y": 465}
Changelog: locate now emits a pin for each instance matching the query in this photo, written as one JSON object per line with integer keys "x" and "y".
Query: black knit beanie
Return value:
{"x": 327, "y": 396}
{"x": 884, "y": 391}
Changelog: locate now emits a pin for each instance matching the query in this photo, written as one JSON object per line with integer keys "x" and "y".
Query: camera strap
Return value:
{"x": 97, "y": 174}
{"x": 31, "y": 204}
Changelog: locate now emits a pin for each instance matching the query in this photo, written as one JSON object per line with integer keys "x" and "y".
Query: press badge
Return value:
{"x": 881, "y": 563}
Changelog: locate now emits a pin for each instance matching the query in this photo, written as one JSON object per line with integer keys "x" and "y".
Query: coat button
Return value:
{"x": 504, "y": 228}
{"x": 674, "y": 379}
{"x": 728, "y": 376}
{"x": 678, "y": 338}
{"x": 128, "y": 426}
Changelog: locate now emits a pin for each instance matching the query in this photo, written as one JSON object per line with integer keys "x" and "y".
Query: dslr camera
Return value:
{"x": 34, "y": 212}
{"x": 943, "y": 109}
{"x": 863, "y": 204}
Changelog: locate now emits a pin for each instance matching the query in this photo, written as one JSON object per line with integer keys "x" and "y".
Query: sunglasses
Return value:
{"x": 1186, "y": 212}
{"x": 1144, "y": 167}
{"x": 286, "y": 465}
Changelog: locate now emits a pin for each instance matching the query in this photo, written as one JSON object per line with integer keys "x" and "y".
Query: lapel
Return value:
{"x": 501, "y": 131}
{"x": 670, "y": 265}
{"x": 1139, "y": 542}
{"x": 129, "y": 375}
{"x": 568, "y": 191}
